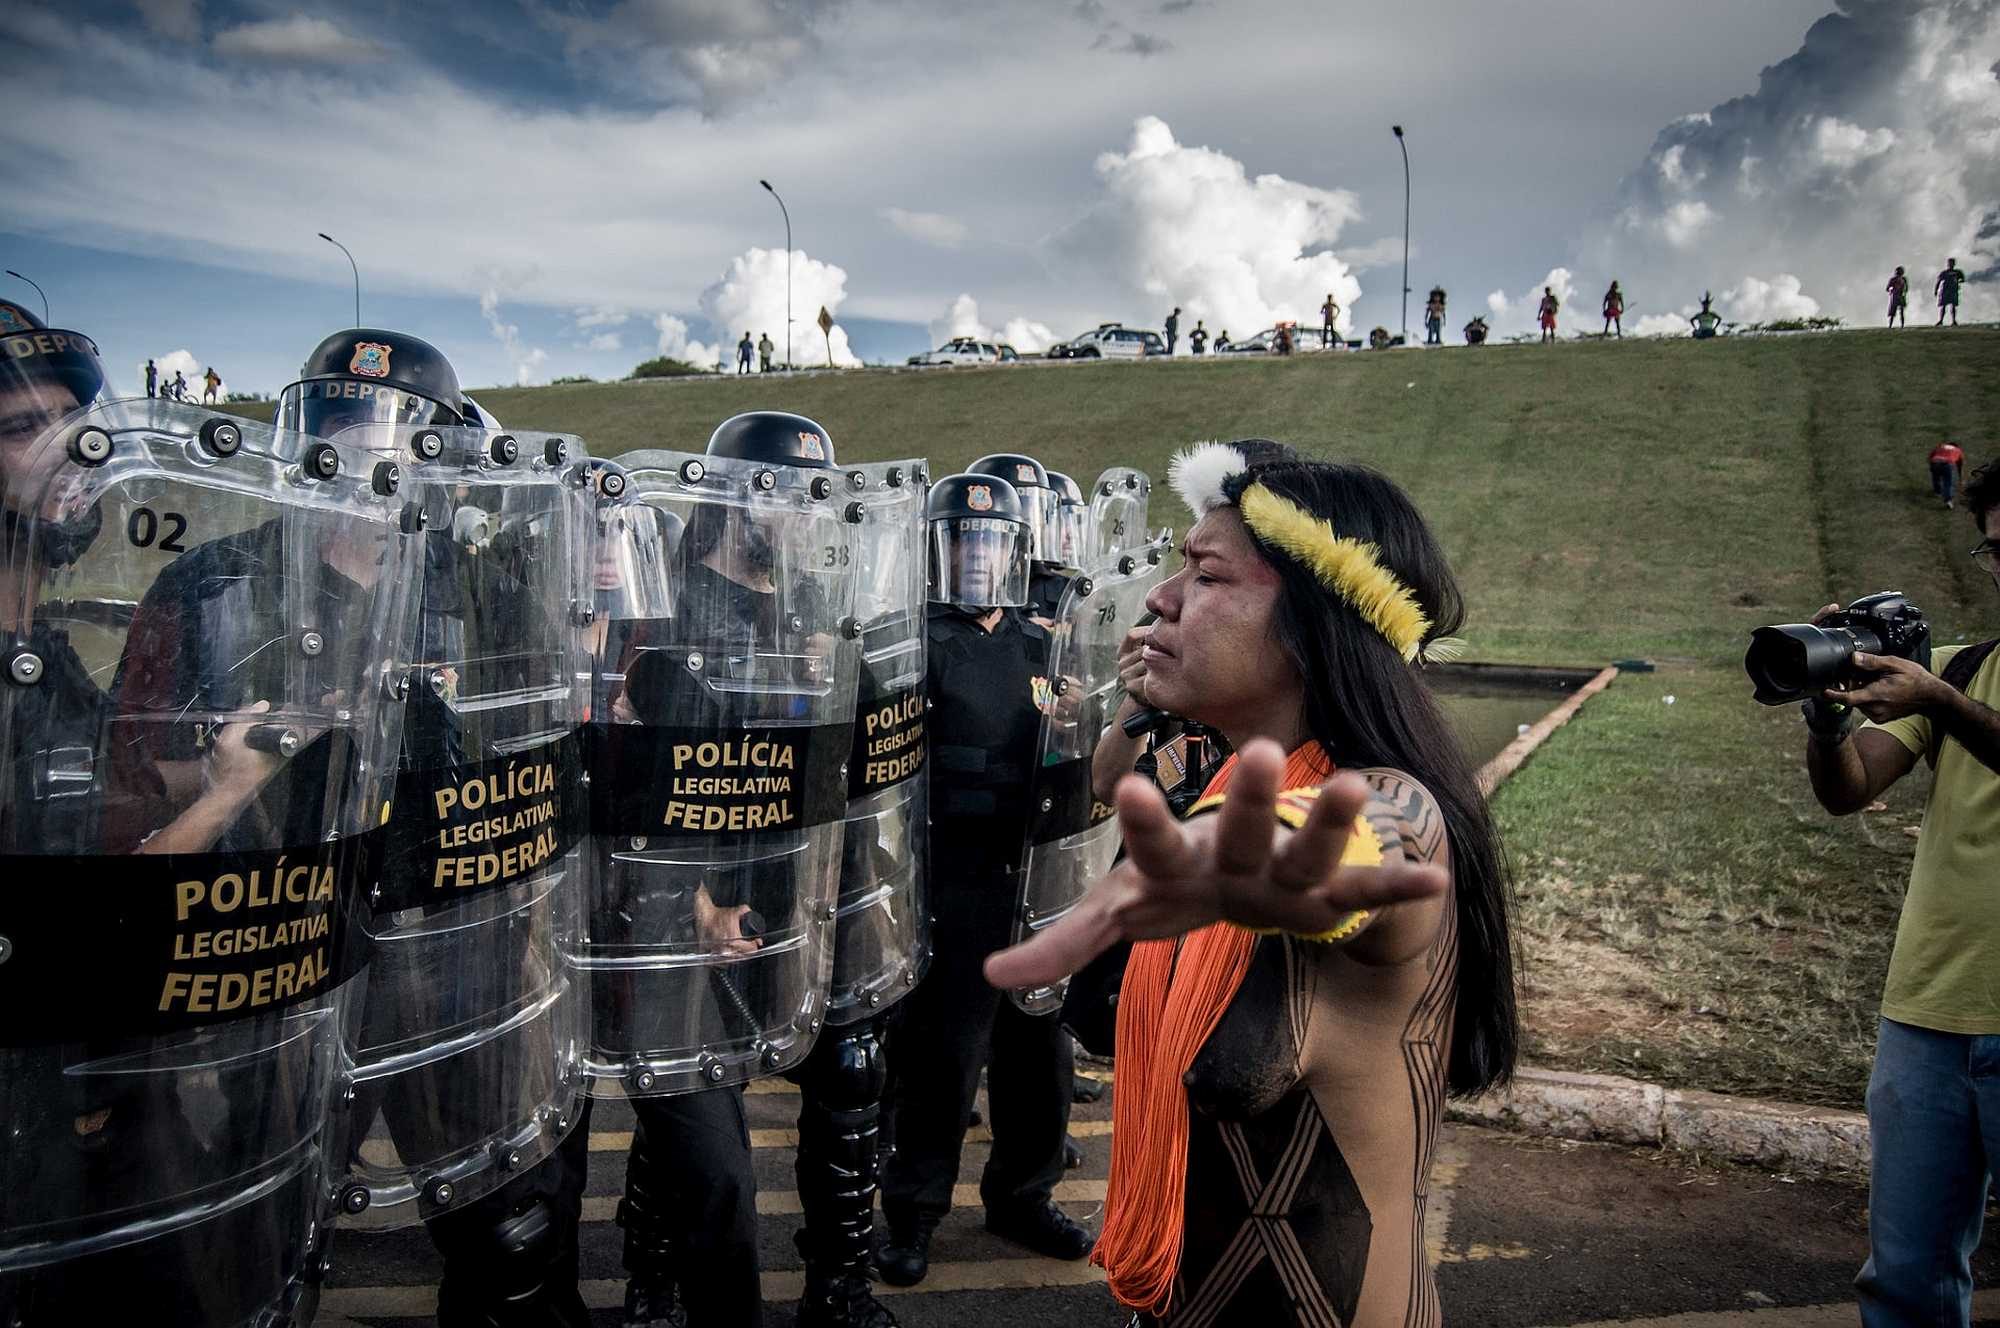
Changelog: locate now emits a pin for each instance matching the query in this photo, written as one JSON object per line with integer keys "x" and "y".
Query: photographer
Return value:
{"x": 1934, "y": 1096}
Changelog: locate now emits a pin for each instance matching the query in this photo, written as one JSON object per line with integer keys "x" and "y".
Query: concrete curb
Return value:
{"x": 1782, "y": 1136}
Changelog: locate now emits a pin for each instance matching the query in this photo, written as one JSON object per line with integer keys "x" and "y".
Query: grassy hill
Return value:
{"x": 1688, "y": 913}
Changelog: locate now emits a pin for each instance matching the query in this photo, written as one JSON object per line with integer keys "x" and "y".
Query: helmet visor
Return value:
{"x": 978, "y": 561}
{"x": 324, "y": 407}
{"x": 1042, "y": 508}
{"x": 1072, "y": 533}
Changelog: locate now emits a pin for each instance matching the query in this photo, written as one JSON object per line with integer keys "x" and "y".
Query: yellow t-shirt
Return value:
{"x": 1945, "y": 971}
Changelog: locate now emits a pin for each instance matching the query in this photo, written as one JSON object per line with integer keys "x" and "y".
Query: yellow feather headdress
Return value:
{"x": 1350, "y": 568}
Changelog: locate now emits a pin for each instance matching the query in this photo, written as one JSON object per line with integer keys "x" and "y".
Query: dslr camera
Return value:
{"x": 1798, "y": 661}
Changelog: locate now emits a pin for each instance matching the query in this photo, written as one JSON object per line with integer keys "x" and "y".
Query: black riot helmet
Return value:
{"x": 774, "y": 437}
{"x": 1039, "y": 503}
{"x": 978, "y": 542}
{"x": 44, "y": 370}
{"x": 367, "y": 375}
{"x": 46, "y": 374}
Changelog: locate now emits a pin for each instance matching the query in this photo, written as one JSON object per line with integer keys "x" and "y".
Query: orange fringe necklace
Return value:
{"x": 1169, "y": 1004}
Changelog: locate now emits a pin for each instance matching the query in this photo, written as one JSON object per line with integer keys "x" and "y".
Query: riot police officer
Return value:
{"x": 988, "y": 686}
{"x": 1073, "y": 533}
{"x": 168, "y": 1104}
{"x": 713, "y": 912}
{"x": 465, "y": 1041}
{"x": 1050, "y": 575}
{"x": 881, "y": 945}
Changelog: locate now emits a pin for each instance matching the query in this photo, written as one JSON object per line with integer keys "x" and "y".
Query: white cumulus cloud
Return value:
{"x": 751, "y": 295}
{"x": 1876, "y": 144}
{"x": 1754, "y": 300}
{"x": 1189, "y": 226}
{"x": 675, "y": 343}
{"x": 961, "y": 319}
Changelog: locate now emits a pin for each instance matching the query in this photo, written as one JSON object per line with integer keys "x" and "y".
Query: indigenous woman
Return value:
{"x": 1614, "y": 311}
{"x": 1282, "y": 1072}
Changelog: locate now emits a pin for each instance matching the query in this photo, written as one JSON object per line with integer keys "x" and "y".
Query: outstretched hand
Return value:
{"x": 1240, "y": 865}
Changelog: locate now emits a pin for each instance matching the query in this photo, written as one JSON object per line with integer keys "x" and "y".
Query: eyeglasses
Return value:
{"x": 1987, "y": 555}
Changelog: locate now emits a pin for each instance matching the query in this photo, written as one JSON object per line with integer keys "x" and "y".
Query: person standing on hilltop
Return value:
{"x": 1546, "y": 314}
{"x": 1173, "y": 328}
{"x": 211, "y": 383}
{"x": 1198, "y": 339}
{"x": 1327, "y": 313}
{"x": 1946, "y": 290}
{"x": 764, "y": 349}
{"x": 152, "y": 378}
{"x": 1899, "y": 298}
{"x": 744, "y": 349}
{"x": 1434, "y": 317}
{"x": 1614, "y": 311}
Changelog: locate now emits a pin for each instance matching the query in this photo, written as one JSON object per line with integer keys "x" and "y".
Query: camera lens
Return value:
{"x": 1791, "y": 662}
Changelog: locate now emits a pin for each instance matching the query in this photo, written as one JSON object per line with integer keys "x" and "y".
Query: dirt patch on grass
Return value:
{"x": 1577, "y": 993}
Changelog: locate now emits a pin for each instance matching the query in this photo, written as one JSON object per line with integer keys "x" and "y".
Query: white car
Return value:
{"x": 960, "y": 350}
{"x": 1110, "y": 341}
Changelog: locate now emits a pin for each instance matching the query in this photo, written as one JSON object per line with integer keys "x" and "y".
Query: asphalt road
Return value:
{"x": 1524, "y": 1233}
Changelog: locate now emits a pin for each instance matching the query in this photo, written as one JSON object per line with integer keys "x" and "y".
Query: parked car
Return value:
{"x": 1008, "y": 355}
{"x": 961, "y": 350}
{"x": 1110, "y": 341}
{"x": 1304, "y": 339}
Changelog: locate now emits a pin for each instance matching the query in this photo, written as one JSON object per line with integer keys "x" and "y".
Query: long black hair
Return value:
{"x": 1368, "y": 707}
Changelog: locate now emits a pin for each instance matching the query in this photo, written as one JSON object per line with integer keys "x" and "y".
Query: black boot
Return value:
{"x": 1041, "y": 1227}
{"x": 650, "y": 1303}
{"x": 650, "y": 1299}
{"x": 905, "y": 1257}
{"x": 838, "y": 1296}
{"x": 840, "y": 1101}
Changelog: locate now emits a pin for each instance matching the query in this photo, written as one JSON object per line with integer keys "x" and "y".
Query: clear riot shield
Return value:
{"x": 464, "y": 1052}
{"x": 1118, "y": 509}
{"x": 202, "y": 618}
{"x": 882, "y": 942}
{"x": 717, "y": 762}
{"x": 1072, "y": 837}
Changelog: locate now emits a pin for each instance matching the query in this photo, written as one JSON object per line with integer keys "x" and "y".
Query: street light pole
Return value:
{"x": 38, "y": 290}
{"x": 1406, "y": 230}
{"x": 787, "y": 212}
{"x": 357, "y": 274}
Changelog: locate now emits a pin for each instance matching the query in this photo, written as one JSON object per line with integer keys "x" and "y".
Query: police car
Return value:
{"x": 961, "y": 350}
{"x": 1109, "y": 341}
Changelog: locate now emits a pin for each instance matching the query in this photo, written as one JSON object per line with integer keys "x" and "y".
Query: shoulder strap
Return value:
{"x": 1959, "y": 673}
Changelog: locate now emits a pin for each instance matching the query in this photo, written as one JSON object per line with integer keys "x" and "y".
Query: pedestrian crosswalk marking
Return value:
{"x": 778, "y": 1287}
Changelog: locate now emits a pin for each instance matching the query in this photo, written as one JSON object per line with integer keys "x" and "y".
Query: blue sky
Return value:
{"x": 547, "y": 187}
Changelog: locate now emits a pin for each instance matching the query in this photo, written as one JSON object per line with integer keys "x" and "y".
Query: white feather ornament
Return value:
{"x": 1199, "y": 472}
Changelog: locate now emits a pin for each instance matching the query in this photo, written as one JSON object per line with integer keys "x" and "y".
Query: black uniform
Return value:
{"x": 984, "y": 729}
{"x": 1047, "y": 584}
{"x": 690, "y": 1205}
